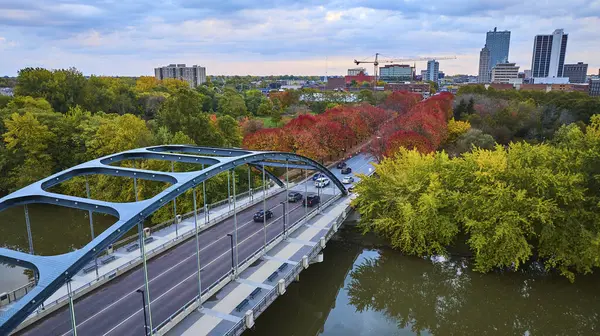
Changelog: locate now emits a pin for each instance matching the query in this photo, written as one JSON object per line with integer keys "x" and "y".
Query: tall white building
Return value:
{"x": 504, "y": 72}
{"x": 549, "y": 54}
{"x": 433, "y": 71}
{"x": 194, "y": 75}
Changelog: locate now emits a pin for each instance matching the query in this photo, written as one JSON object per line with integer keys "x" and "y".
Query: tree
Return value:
{"x": 119, "y": 133}
{"x": 146, "y": 84}
{"x": 232, "y": 104}
{"x": 26, "y": 138}
{"x": 265, "y": 108}
{"x": 230, "y": 131}
{"x": 253, "y": 99}
{"x": 250, "y": 126}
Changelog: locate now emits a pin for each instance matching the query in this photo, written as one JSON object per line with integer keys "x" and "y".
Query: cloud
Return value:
{"x": 279, "y": 36}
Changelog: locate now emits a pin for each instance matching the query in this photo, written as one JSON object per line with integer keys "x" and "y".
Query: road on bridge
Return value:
{"x": 116, "y": 308}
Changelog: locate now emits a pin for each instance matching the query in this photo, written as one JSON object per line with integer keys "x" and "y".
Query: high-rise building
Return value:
{"x": 356, "y": 71}
{"x": 577, "y": 73}
{"x": 433, "y": 68}
{"x": 594, "y": 87}
{"x": 194, "y": 75}
{"x": 484, "y": 65}
{"x": 549, "y": 54}
{"x": 504, "y": 72}
{"x": 498, "y": 42}
{"x": 396, "y": 73}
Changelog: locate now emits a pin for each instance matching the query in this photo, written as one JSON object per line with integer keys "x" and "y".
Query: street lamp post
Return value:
{"x": 232, "y": 262}
{"x": 284, "y": 208}
{"x": 141, "y": 291}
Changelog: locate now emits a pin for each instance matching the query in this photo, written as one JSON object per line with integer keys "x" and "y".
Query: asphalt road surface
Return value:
{"x": 116, "y": 308}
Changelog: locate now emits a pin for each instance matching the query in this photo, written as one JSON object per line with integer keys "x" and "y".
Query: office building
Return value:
{"x": 356, "y": 71}
{"x": 433, "y": 68}
{"x": 576, "y": 73}
{"x": 504, "y": 72}
{"x": 594, "y": 86}
{"x": 396, "y": 73}
{"x": 549, "y": 54}
{"x": 498, "y": 43}
{"x": 194, "y": 75}
{"x": 484, "y": 66}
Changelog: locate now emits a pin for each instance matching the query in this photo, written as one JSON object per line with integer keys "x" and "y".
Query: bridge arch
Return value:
{"x": 55, "y": 271}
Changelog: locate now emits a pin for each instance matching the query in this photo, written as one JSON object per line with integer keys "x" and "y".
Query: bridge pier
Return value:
{"x": 249, "y": 319}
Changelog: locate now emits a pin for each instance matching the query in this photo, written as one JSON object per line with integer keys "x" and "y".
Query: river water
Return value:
{"x": 361, "y": 290}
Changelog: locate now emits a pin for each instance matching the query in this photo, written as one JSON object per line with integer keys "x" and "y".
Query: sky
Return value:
{"x": 273, "y": 37}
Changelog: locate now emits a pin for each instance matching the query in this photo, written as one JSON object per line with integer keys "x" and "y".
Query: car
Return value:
{"x": 317, "y": 176}
{"x": 294, "y": 196}
{"x": 351, "y": 189}
{"x": 341, "y": 165}
{"x": 348, "y": 180}
{"x": 347, "y": 170}
{"x": 259, "y": 215}
{"x": 312, "y": 200}
{"x": 322, "y": 182}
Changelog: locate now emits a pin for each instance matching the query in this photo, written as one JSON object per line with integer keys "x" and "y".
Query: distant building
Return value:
{"x": 484, "y": 66}
{"x": 550, "y": 80}
{"x": 356, "y": 71}
{"x": 549, "y": 53}
{"x": 396, "y": 73}
{"x": 360, "y": 78}
{"x": 338, "y": 83}
{"x": 504, "y": 72}
{"x": 576, "y": 73}
{"x": 498, "y": 42}
{"x": 527, "y": 74}
{"x": 594, "y": 87}
{"x": 410, "y": 87}
{"x": 194, "y": 75}
{"x": 441, "y": 75}
{"x": 433, "y": 69}
{"x": 423, "y": 74}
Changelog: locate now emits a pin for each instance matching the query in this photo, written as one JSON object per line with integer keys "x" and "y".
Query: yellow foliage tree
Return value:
{"x": 457, "y": 128}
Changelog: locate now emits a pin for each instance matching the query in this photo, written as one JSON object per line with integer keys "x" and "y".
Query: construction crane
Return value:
{"x": 376, "y": 62}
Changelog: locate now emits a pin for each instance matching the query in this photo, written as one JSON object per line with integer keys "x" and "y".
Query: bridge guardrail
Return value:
{"x": 238, "y": 328}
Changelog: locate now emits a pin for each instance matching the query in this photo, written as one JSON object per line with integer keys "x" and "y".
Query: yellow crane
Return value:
{"x": 376, "y": 62}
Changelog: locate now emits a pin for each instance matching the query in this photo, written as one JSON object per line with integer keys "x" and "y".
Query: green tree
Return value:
{"x": 366, "y": 96}
{"x": 253, "y": 99}
{"x": 265, "y": 108}
{"x": 232, "y": 104}
{"x": 231, "y": 131}
{"x": 27, "y": 139}
{"x": 119, "y": 133}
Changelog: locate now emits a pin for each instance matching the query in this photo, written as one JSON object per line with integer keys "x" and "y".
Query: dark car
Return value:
{"x": 351, "y": 189}
{"x": 317, "y": 176}
{"x": 347, "y": 170}
{"x": 294, "y": 196}
{"x": 312, "y": 200}
{"x": 341, "y": 165}
{"x": 260, "y": 217}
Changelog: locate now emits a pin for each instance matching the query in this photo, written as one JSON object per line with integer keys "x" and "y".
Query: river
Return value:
{"x": 55, "y": 230}
{"x": 362, "y": 290}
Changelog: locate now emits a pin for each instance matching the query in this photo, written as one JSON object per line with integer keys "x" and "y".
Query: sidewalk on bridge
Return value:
{"x": 218, "y": 316}
{"x": 160, "y": 237}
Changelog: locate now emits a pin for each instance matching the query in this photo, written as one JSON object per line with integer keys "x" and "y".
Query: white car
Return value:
{"x": 321, "y": 182}
{"x": 348, "y": 180}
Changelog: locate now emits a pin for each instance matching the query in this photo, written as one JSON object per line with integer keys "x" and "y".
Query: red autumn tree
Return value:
{"x": 401, "y": 101}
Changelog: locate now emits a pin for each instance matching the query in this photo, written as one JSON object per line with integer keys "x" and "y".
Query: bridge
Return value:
{"x": 183, "y": 265}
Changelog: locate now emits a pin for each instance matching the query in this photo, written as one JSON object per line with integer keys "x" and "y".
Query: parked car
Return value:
{"x": 294, "y": 196}
{"x": 341, "y": 165}
{"x": 322, "y": 182}
{"x": 312, "y": 200}
{"x": 351, "y": 189}
{"x": 347, "y": 170}
{"x": 260, "y": 217}
{"x": 348, "y": 180}
{"x": 317, "y": 176}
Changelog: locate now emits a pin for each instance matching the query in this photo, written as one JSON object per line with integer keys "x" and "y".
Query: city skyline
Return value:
{"x": 276, "y": 37}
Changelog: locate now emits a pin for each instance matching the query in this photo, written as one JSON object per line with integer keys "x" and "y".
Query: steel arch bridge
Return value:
{"x": 54, "y": 271}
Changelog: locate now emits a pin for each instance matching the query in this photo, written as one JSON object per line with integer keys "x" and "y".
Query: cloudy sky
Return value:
{"x": 124, "y": 37}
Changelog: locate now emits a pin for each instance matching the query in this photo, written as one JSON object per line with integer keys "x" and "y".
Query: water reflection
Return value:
{"x": 362, "y": 291}
{"x": 446, "y": 298}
